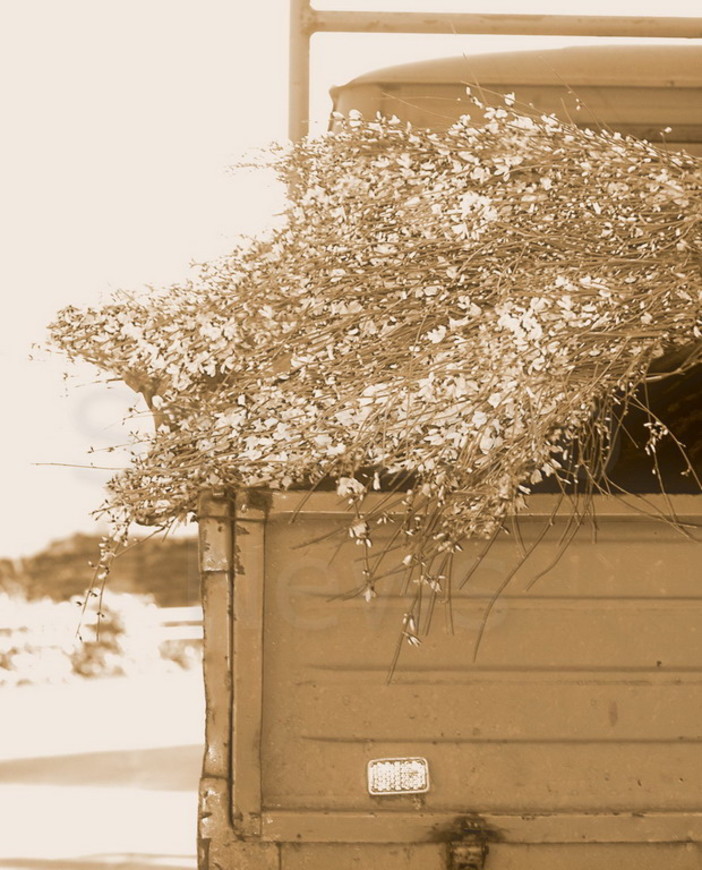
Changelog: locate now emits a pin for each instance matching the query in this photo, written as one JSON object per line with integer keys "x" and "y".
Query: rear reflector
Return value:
{"x": 398, "y": 776}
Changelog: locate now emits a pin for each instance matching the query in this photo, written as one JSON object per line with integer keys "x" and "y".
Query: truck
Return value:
{"x": 573, "y": 739}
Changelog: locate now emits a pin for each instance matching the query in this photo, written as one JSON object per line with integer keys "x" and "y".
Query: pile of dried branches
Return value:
{"x": 464, "y": 307}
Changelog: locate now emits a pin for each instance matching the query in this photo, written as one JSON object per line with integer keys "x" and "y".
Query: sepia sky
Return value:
{"x": 120, "y": 122}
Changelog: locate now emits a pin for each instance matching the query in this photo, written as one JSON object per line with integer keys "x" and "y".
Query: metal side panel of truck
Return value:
{"x": 573, "y": 741}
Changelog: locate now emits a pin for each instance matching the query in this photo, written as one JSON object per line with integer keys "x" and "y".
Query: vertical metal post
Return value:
{"x": 247, "y": 663}
{"x": 299, "y": 77}
{"x": 231, "y": 566}
{"x": 215, "y": 518}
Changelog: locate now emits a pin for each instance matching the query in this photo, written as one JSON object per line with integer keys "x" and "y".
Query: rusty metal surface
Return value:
{"x": 501, "y": 857}
{"x": 247, "y": 659}
{"x": 578, "y": 723}
{"x": 389, "y": 856}
{"x": 215, "y": 548}
{"x": 681, "y": 856}
{"x": 220, "y": 846}
{"x": 417, "y": 826}
{"x": 586, "y": 692}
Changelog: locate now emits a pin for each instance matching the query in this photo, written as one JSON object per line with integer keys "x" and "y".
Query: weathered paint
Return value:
{"x": 215, "y": 546}
{"x": 247, "y": 659}
{"x": 579, "y": 721}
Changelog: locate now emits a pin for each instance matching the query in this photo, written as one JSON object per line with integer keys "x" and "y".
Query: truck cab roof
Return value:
{"x": 641, "y": 90}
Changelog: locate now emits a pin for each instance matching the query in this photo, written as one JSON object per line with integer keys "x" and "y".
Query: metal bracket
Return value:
{"x": 469, "y": 851}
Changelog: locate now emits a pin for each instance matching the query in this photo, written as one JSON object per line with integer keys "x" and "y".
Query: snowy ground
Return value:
{"x": 101, "y": 774}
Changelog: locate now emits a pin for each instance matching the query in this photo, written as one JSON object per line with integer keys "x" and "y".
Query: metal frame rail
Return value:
{"x": 306, "y": 21}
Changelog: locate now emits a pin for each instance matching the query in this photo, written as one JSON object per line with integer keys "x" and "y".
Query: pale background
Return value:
{"x": 120, "y": 119}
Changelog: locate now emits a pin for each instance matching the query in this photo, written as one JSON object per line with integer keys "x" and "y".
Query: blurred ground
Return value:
{"x": 101, "y": 774}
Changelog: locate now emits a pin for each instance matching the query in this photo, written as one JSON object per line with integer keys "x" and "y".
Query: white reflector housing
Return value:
{"x": 398, "y": 776}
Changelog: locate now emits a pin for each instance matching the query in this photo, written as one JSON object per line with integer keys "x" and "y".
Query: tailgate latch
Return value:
{"x": 469, "y": 850}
